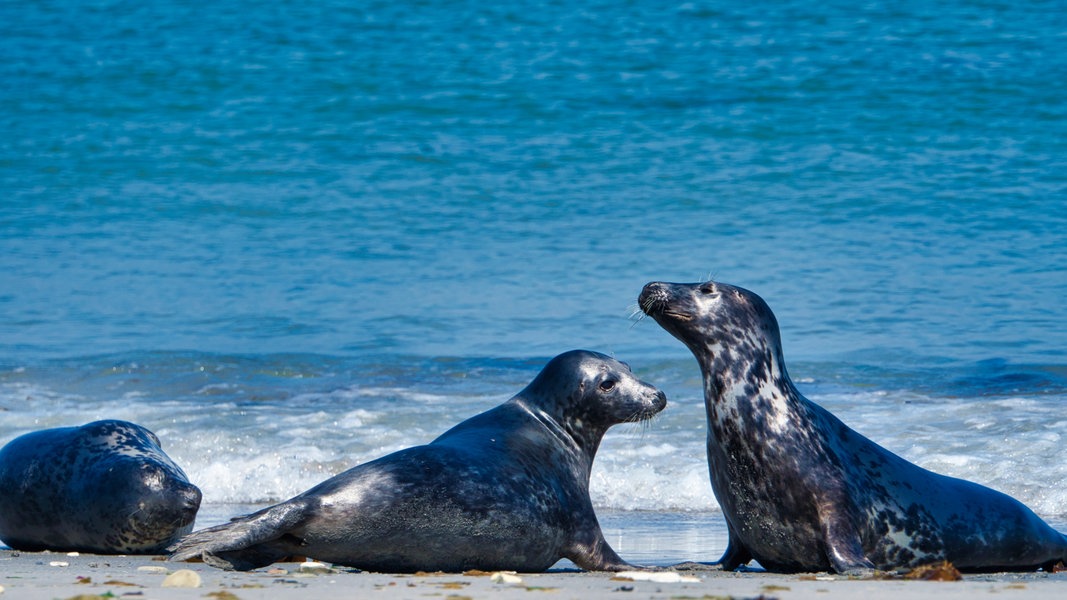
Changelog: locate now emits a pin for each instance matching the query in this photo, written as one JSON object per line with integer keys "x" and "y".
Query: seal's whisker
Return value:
{"x": 634, "y": 311}
{"x": 636, "y": 316}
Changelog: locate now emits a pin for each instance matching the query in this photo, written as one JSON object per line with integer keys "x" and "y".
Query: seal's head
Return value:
{"x": 140, "y": 491}
{"x": 731, "y": 331}
{"x": 148, "y": 505}
{"x": 709, "y": 316}
{"x": 588, "y": 392}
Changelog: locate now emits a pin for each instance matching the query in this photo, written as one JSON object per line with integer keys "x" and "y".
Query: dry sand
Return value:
{"x": 47, "y": 576}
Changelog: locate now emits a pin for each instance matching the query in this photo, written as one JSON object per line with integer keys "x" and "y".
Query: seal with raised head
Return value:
{"x": 507, "y": 489}
{"x": 105, "y": 487}
{"x": 800, "y": 490}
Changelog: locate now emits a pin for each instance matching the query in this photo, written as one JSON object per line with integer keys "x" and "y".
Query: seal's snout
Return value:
{"x": 651, "y": 404}
{"x": 659, "y": 402}
{"x": 191, "y": 498}
{"x": 653, "y": 298}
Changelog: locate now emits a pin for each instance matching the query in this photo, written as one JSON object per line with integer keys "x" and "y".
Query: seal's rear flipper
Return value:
{"x": 254, "y": 557}
{"x": 245, "y": 543}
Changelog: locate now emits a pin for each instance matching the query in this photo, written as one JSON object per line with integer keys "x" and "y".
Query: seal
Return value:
{"x": 507, "y": 489}
{"x": 800, "y": 490}
{"x": 106, "y": 487}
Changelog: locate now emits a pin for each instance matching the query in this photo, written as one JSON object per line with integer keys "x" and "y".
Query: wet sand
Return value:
{"x": 47, "y": 575}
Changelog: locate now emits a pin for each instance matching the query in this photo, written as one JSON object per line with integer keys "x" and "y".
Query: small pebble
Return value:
{"x": 73, "y": 554}
{"x": 182, "y": 578}
{"x": 505, "y": 577}
{"x": 153, "y": 569}
{"x": 58, "y": 563}
{"x": 277, "y": 571}
{"x": 314, "y": 568}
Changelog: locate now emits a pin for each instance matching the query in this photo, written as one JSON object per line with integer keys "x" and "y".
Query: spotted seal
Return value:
{"x": 507, "y": 489}
{"x": 803, "y": 492}
{"x": 105, "y": 487}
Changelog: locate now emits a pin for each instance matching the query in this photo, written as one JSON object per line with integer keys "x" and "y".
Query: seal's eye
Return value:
{"x": 607, "y": 385}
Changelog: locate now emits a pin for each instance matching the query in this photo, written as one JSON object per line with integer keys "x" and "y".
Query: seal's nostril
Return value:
{"x": 652, "y": 297}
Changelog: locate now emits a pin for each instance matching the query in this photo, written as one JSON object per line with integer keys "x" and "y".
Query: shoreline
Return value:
{"x": 49, "y": 575}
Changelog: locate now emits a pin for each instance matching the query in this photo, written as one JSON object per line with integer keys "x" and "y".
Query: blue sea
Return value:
{"x": 290, "y": 237}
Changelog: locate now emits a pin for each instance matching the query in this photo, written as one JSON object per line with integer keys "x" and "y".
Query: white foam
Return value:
{"x": 254, "y": 452}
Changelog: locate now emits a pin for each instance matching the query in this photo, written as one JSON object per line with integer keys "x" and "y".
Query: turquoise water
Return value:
{"x": 292, "y": 237}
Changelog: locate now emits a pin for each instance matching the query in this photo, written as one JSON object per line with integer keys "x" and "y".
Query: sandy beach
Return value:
{"x": 46, "y": 576}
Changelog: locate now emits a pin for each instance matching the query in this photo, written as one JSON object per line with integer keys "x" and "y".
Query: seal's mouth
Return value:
{"x": 659, "y": 402}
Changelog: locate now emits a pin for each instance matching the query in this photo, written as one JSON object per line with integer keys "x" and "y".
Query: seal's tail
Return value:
{"x": 246, "y": 543}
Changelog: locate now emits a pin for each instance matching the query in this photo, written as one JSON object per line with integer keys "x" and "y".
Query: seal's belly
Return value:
{"x": 785, "y": 545}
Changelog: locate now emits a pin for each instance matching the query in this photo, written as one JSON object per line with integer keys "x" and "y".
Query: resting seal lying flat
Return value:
{"x": 106, "y": 487}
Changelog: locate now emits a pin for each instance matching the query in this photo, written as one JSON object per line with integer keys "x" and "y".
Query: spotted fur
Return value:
{"x": 505, "y": 490}
{"x": 800, "y": 490}
{"x": 105, "y": 487}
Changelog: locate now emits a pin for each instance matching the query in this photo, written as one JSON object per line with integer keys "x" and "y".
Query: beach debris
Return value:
{"x": 655, "y": 576}
{"x": 59, "y": 563}
{"x": 1, "y": 589}
{"x": 73, "y": 554}
{"x": 182, "y": 578}
{"x": 508, "y": 577}
{"x": 222, "y": 595}
{"x": 311, "y": 567}
{"x": 1059, "y": 567}
{"x": 153, "y": 569}
{"x": 940, "y": 571}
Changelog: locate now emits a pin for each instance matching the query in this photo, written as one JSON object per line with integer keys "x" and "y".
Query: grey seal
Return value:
{"x": 800, "y": 490}
{"x": 507, "y": 489}
{"x": 106, "y": 487}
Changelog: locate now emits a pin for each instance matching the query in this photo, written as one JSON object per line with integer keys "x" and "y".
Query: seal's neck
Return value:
{"x": 576, "y": 439}
{"x": 748, "y": 386}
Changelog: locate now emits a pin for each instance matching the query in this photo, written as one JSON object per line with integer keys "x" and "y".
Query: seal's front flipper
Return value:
{"x": 736, "y": 553}
{"x": 842, "y": 540}
{"x": 591, "y": 552}
{"x": 245, "y": 543}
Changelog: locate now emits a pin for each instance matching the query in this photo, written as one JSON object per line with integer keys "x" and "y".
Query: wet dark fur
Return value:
{"x": 803, "y": 492}
{"x": 505, "y": 490}
{"x": 106, "y": 487}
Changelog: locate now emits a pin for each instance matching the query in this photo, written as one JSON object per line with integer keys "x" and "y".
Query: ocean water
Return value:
{"x": 293, "y": 237}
